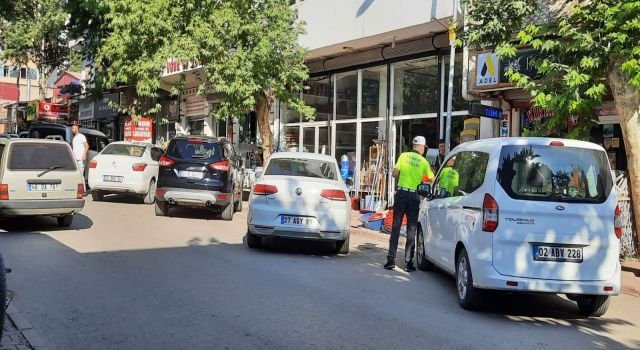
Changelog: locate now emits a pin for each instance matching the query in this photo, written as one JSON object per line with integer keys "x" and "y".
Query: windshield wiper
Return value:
{"x": 51, "y": 169}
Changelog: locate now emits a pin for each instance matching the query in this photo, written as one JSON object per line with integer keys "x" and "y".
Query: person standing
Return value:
{"x": 80, "y": 146}
{"x": 440, "y": 158}
{"x": 410, "y": 169}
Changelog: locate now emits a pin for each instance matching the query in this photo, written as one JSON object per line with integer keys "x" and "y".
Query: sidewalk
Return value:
{"x": 12, "y": 338}
{"x": 630, "y": 279}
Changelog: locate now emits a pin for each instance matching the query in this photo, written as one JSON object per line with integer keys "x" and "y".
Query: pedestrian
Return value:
{"x": 440, "y": 157}
{"x": 80, "y": 146}
{"x": 410, "y": 169}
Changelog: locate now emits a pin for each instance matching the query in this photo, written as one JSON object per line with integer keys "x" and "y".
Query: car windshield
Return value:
{"x": 559, "y": 174}
{"x": 302, "y": 167}
{"x": 194, "y": 149}
{"x": 41, "y": 156}
{"x": 124, "y": 150}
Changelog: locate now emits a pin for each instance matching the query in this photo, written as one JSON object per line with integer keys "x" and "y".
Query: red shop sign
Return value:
{"x": 140, "y": 130}
{"x": 52, "y": 111}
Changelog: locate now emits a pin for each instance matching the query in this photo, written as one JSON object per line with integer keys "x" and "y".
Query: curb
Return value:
{"x": 629, "y": 268}
{"x": 25, "y": 328}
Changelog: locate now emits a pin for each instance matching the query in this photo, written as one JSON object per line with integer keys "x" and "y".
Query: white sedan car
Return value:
{"x": 300, "y": 196}
{"x": 125, "y": 167}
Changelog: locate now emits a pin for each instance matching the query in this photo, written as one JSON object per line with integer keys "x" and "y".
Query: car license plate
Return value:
{"x": 110, "y": 178}
{"x": 557, "y": 253}
{"x": 191, "y": 174}
{"x": 296, "y": 220}
{"x": 44, "y": 187}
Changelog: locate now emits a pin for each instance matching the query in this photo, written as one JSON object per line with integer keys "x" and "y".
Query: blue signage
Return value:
{"x": 485, "y": 111}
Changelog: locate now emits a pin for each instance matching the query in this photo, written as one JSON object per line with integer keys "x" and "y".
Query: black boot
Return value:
{"x": 409, "y": 267}
{"x": 391, "y": 264}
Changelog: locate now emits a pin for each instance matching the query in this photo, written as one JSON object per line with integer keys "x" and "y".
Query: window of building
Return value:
{"x": 309, "y": 139}
{"x": 291, "y": 138}
{"x": 374, "y": 92}
{"x": 196, "y": 127}
{"x": 320, "y": 96}
{"x": 347, "y": 95}
{"x": 416, "y": 87}
{"x": 346, "y": 145}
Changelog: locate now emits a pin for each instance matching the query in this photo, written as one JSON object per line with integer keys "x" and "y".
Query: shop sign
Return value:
{"x": 196, "y": 106}
{"x": 487, "y": 70}
{"x": 52, "y": 111}
{"x": 140, "y": 130}
{"x": 86, "y": 110}
{"x": 530, "y": 116}
{"x": 485, "y": 111}
{"x": 32, "y": 110}
{"x": 102, "y": 109}
{"x": 505, "y": 127}
{"x": 522, "y": 63}
{"x": 174, "y": 66}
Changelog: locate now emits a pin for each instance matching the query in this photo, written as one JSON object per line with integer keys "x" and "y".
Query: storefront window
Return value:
{"x": 196, "y": 127}
{"x": 347, "y": 94}
{"x": 309, "y": 139}
{"x": 288, "y": 116}
{"x": 324, "y": 147}
{"x": 291, "y": 138}
{"x": 406, "y": 130}
{"x": 320, "y": 96}
{"x": 459, "y": 103}
{"x": 371, "y": 131}
{"x": 374, "y": 92}
{"x": 416, "y": 87}
{"x": 346, "y": 145}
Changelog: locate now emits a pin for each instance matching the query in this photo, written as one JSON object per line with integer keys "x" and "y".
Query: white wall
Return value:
{"x": 336, "y": 21}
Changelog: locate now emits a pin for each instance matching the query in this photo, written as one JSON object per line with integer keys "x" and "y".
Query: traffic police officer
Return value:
{"x": 410, "y": 170}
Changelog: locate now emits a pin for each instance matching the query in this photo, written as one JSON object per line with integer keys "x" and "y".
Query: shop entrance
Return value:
{"x": 315, "y": 139}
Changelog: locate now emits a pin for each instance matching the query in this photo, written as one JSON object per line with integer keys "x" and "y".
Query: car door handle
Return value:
{"x": 440, "y": 206}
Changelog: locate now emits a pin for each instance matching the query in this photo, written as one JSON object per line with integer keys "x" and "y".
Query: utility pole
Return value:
{"x": 452, "y": 60}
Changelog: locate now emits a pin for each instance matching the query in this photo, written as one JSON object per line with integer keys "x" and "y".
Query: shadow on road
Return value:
{"x": 123, "y": 199}
{"x": 37, "y": 224}
{"x": 295, "y": 246}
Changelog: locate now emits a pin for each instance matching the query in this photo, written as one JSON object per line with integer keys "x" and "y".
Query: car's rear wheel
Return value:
{"x": 253, "y": 241}
{"x": 227, "y": 213}
{"x": 238, "y": 205}
{"x": 65, "y": 220}
{"x": 421, "y": 257}
{"x": 468, "y": 296}
{"x": 593, "y": 305}
{"x": 162, "y": 208}
{"x": 97, "y": 196}
{"x": 342, "y": 247}
{"x": 150, "y": 197}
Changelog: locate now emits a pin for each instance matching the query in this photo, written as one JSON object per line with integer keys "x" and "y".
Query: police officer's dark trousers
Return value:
{"x": 405, "y": 202}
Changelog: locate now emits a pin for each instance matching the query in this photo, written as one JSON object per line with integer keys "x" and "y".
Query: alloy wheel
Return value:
{"x": 463, "y": 275}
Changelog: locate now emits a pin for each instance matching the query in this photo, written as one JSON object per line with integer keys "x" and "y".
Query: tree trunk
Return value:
{"x": 264, "y": 104}
{"x": 627, "y": 99}
{"x": 42, "y": 83}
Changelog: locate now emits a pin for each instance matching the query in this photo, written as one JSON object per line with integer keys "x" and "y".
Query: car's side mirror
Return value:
{"x": 424, "y": 190}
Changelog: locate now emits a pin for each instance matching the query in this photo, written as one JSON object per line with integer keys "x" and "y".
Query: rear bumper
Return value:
{"x": 489, "y": 278}
{"x": 41, "y": 207}
{"x": 297, "y": 233}
{"x": 193, "y": 198}
{"x": 138, "y": 185}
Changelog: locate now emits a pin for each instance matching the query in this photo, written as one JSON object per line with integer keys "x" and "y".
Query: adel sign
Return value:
{"x": 140, "y": 131}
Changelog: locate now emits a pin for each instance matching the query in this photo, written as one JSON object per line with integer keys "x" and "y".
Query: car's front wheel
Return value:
{"x": 593, "y": 305}
{"x": 468, "y": 296}
{"x": 150, "y": 197}
{"x": 65, "y": 220}
{"x": 421, "y": 257}
{"x": 162, "y": 208}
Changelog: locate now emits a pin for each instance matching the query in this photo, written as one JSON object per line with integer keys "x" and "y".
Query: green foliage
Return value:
{"x": 578, "y": 49}
{"x": 34, "y": 30}
{"x": 248, "y": 48}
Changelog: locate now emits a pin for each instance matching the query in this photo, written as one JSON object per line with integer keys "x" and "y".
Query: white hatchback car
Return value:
{"x": 300, "y": 195}
{"x": 524, "y": 215}
{"x": 125, "y": 167}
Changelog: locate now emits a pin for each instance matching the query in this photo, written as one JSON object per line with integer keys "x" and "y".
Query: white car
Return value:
{"x": 125, "y": 167}
{"x": 524, "y": 215}
{"x": 300, "y": 195}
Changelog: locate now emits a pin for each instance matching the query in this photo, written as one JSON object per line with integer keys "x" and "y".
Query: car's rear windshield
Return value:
{"x": 194, "y": 149}
{"x": 558, "y": 174}
{"x": 41, "y": 156}
{"x": 124, "y": 150}
{"x": 302, "y": 167}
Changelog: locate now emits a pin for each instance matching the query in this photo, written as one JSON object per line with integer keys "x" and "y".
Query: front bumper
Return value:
{"x": 40, "y": 207}
{"x": 491, "y": 279}
{"x": 193, "y": 198}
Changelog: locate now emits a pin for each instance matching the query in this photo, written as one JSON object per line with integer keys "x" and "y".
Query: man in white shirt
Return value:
{"x": 80, "y": 146}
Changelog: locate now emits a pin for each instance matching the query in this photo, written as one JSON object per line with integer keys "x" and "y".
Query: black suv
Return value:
{"x": 200, "y": 171}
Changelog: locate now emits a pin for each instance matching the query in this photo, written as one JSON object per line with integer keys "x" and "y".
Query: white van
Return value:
{"x": 39, "y": 177}
{"x": 524, "y": 215}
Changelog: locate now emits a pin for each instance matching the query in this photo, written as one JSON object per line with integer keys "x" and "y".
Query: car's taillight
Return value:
{"x": 139, "y": 166}
{"x": 93, "y": 164}
{"x": 556, "y": 144}
{"x": 4, "y": 192}
{"x": 334, "y": 195}
{"x": 617, "y": 223}
{"x": 264, "y": 190}
{"x": 160, "y": 192}
{"x": 165, "y": 161}
{"x": 489, "y": 214}
{"x": 80, "y": 193}
{"x": 220, "y": 166}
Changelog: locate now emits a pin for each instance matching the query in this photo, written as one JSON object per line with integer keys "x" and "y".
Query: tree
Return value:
{"x": 249, "y": 50}
{"x": 589, "y": 50}
{"x": 35, "y": 31}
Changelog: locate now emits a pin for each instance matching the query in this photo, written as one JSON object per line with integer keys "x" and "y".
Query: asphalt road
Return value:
{"x": 122, "y": 278}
